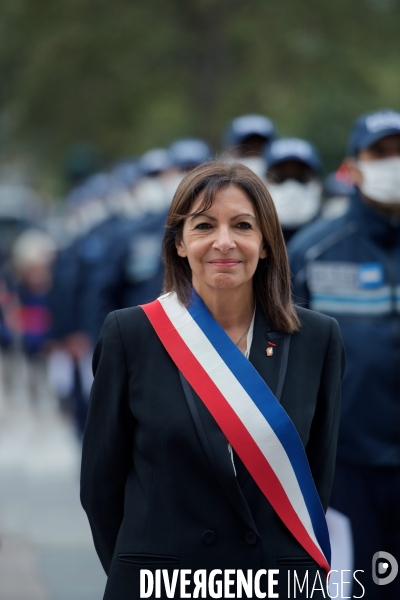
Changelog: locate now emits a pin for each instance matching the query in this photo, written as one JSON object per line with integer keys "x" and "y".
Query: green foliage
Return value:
{"x": 128, "y": 75}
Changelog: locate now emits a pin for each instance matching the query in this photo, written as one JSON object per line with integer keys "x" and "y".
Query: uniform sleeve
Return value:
{"x": 107, "y": 443}
{"x": 299, "y": 276}
{"x": 321, "y": 448}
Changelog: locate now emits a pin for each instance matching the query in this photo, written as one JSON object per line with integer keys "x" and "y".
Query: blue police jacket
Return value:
{"x": 73, "y": 299}
{"x": 97, "y": 251}
{"x": 349, "y": 268}
{"x": 120, "y": 266}
{"x": 63, "y": 296}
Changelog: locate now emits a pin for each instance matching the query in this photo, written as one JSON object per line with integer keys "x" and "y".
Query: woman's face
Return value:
{"x": 223, "y": 244}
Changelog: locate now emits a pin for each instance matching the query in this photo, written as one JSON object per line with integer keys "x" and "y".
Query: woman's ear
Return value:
{"x": 180, "y": 247}
{"x": 263, "y": 251}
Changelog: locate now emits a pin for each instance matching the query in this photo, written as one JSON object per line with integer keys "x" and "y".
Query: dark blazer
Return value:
{"x": 157, "y": 480}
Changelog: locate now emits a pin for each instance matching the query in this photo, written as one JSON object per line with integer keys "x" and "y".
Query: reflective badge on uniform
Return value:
{"x": 324, "y": 276}
{"x": 370, "y": 275}
{"x": 339, "y": 288}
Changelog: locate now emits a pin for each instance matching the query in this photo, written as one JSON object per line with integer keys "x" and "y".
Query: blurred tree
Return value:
{"x": 125, "y": 76}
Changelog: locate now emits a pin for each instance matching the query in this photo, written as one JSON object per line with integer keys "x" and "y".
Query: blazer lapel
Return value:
{"x": 215, "y": 446}
{"x": 273, "y": 370}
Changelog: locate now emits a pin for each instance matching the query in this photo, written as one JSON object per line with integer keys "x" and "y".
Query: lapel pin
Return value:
{"x": 269, "y": 351}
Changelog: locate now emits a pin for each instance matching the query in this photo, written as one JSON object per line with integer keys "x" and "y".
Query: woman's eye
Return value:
{"x": 244, "y": 225}
{"x": 203, "y": 226}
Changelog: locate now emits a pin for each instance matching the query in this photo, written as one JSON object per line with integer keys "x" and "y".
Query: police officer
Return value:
{"x": 71, "y": 346}
{"x": 185, "y": 154}
{"x": 127, "y": 174}
{"x": 349, "y": 268}
{"x": 292, "y": 175}
{"x": 151, "y": 193}
{"x": 245, "y": 139}
{"x": 100, "y": 243}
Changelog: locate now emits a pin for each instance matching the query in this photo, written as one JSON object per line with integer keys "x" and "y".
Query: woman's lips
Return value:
{"x": 229, "y": 262}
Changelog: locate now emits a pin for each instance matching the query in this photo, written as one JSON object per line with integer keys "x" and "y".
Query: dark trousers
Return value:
{"x": 370, "y": 497}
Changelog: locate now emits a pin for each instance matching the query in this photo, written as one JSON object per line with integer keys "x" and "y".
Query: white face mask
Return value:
{"x": 150, "y": 195}
{"x": 171, "y": 183}
{"x": 255, "y": 163}
{"x": 296, "y": 203}
{"x": 381, "y": 179}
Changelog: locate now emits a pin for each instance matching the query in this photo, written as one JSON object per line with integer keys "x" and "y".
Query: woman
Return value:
{"x": 211, "y": 435}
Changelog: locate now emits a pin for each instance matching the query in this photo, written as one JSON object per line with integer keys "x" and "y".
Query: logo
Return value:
{"x": 382, "y": 120}
{"x": 384, "y": 568}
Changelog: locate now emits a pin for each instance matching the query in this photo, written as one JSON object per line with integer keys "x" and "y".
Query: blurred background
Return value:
{"x": 103, "y": 109}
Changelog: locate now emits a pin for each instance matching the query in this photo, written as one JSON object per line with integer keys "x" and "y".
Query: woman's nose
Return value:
{"x": 223, "y": 239}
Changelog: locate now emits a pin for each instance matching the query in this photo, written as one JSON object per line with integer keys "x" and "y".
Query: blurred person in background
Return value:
{"x": 126, "y": 175}
{"x": 245, "y": 139}
{"x": 115, "y": 256}
{"x": 186, "y": 154}
{"x": 349, "y": 268}
{"x": 20, "y": 209}
{"x": 293, "y": 168}
{"x": 33, "y": 253}
{"x": 152, "y": 192}
{"x": 338, "y": 188}
{"x": 69, "y": 360}
{"x": 114, "y": 192}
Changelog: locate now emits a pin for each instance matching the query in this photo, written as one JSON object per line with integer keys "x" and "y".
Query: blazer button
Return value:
{"x": 208, "y": 537}
{"x": 251, "y": 538}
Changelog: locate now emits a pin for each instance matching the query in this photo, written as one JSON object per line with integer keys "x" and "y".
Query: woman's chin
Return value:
{"x": 224, "y": 281}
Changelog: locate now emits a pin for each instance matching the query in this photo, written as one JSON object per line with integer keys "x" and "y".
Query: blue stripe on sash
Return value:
{"x": 272, "y": 411}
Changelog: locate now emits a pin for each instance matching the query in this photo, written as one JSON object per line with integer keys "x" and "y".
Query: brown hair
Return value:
{"x": 272, "y": 277}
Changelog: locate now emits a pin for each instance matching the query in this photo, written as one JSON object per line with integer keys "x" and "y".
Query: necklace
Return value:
{"x": 238, "y": 342}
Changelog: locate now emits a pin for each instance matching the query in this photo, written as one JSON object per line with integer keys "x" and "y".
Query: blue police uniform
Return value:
{"x": 95, "y": 256}
{"x": 121, "y": 262}
{"x": 63, "y": 296}
{"x": 349, "y": 268}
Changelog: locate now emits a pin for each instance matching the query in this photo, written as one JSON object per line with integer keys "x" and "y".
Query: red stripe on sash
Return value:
{"x": 232, "y": 427}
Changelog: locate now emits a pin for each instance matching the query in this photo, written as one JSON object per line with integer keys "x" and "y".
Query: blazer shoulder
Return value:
{"x": 134, "y": 315}
{"x": 125, "y": 317}
{"x": 314, "y": 322}
{"x": 321, "y": 335}
{"x": 133, "y": 325}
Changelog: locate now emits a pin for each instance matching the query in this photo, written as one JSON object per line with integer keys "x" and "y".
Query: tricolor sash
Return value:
{"x": 252, "y": 419}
